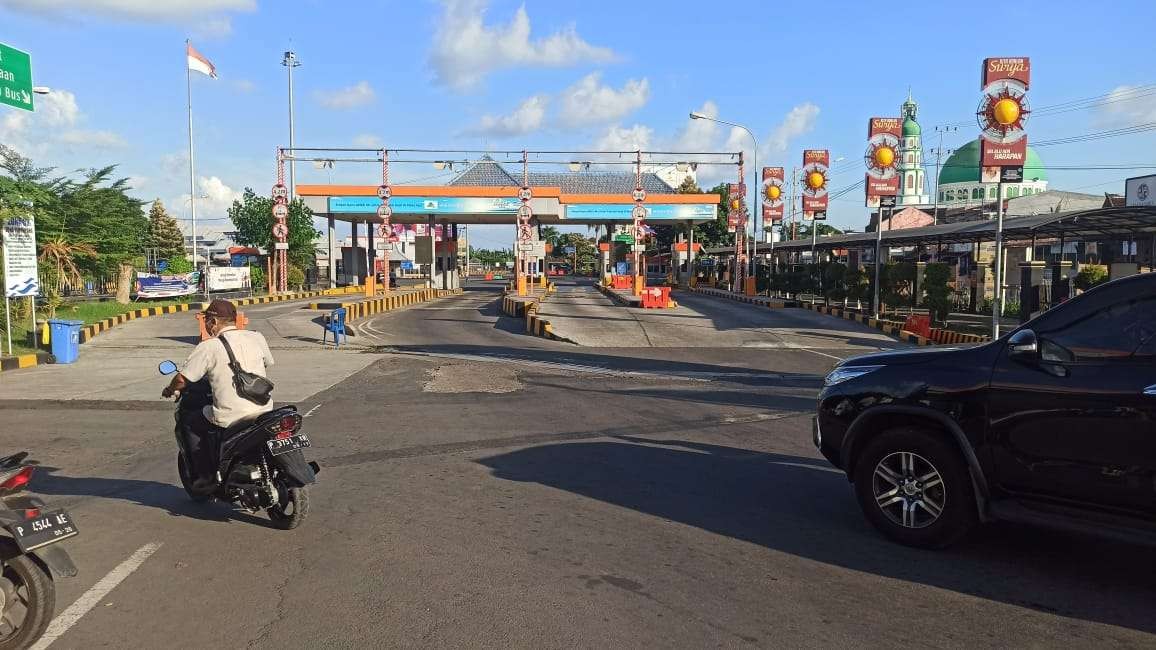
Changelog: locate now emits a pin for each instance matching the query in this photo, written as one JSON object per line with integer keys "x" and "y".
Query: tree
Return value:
{"x": 550, "y": 235}
{"x": 491, "y": 258}
{"x": 585, "y": 251}
{"x": 164, "y": 233}
{"x": 252, "y": 216}
{"x": 935, "y": 277}
{"x": 824, "y": 230}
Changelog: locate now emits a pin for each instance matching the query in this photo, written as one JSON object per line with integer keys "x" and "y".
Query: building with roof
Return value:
{"x": 960, "y": 184}
{"x": 488, "y": 173}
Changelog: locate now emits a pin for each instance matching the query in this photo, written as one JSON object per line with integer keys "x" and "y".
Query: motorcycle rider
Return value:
{"x": 210, "y": 361}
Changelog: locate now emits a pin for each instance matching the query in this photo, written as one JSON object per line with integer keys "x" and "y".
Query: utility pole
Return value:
{"x": 290, "y": 61}
{"x": 997, "y": 297}
{"x": 939, "y": 151}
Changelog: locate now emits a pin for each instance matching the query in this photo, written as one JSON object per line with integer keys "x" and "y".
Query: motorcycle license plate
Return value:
{"x": 48, "y": 528}
{"x": 278, "y": 446}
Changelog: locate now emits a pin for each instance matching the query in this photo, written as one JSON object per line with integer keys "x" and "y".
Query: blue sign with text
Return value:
{"x": 656, "y": 211}
{"x": 425, "y": 205}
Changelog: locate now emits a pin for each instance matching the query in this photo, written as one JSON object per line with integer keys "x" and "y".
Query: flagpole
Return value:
{"x": 192, "y": 172}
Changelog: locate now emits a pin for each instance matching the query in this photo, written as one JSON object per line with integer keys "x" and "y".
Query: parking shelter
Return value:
{"x": 1047, "y": 249}
{"x": 487, "y": 194}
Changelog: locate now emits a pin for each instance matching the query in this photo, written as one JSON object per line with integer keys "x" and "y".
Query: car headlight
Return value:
{"x": 842, "y": 374}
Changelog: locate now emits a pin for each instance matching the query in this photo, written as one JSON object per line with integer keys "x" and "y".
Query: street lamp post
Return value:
{"x": 756, "y": 200}
{"x": 290, "y": 61}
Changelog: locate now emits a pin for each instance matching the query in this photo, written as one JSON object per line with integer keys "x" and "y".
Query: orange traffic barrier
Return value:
{"x": 918, "y": 324}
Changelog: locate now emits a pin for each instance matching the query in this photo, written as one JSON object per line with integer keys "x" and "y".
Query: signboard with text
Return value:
{"x": 21, "y": 275}
{"x": 816, "y": 166}
{"x": 1003, "y": 111}
{"x": 882, "y": 157}
{"x": 773, "y": 205}
{"x": 15, "y": 78}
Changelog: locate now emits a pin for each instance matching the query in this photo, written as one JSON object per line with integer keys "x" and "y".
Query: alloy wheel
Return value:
{"x": 909, "y": 489}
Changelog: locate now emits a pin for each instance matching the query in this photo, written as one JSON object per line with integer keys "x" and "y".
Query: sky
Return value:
{"x": 542, "y": 74}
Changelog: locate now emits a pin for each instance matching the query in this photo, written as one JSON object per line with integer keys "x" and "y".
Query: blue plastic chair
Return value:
{"x": 335, "y": 324}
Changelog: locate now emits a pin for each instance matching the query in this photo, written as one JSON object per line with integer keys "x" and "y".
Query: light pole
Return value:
{"x": 290, "y": 61}
{"x": 755, "y": 200}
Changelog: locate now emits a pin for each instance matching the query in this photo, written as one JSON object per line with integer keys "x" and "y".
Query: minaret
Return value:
{"x": 911, "y": 182}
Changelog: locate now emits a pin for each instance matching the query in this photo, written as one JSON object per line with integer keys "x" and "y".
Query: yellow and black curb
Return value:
{"x": 25, "y": 361}
{"x": 89, "y": 331}
{"x": 528, "y": 309}
{"x": 364, "y": 308}
{"x": 773, "y": 303}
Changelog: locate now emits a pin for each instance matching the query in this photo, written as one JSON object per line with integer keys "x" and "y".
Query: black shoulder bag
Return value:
{"x": 251, "y": 386}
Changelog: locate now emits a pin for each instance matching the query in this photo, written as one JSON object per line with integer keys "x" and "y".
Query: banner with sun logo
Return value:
{"x": 816, "y": 170}
{"x": 882, "y": 157}
{"x": 1002, "y": 113}
{"x": 773, "y": 206}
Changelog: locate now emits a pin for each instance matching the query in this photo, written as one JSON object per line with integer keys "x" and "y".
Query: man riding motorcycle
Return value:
{"x": 209, "y": 362}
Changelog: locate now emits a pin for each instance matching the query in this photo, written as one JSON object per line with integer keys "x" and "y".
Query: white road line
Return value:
{"x": 90, "y": 598}
{"x": 829, "y": 356}
{"x": 310, "y": 411}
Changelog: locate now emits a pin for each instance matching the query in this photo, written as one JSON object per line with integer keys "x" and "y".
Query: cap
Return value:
{"x": 221, "y": 309}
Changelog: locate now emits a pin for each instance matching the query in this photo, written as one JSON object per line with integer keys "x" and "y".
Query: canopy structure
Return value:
{"x": 1103, "y": 223}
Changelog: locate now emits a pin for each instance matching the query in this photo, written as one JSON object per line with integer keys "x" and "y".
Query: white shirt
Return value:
{"x": 209, "y": 359}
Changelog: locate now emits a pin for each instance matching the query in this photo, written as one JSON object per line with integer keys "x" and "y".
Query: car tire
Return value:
{"x": 914, "y": 486}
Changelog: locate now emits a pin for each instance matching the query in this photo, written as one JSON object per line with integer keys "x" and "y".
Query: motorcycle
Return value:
{"x": 260, "y": 463}
{"x": 30, "y": 558}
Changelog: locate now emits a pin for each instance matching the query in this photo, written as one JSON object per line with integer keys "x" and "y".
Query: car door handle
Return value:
{"x": 1151, "y": 390}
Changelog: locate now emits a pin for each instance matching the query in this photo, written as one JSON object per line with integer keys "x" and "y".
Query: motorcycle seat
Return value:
{"x": 260, "y": 419}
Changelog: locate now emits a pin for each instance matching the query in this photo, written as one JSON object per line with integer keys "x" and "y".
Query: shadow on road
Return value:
{"x": 153, "y": 494}
{"x": 803, "y": 507}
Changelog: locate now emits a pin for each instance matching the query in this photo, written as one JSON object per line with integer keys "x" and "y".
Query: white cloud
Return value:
{"x": 243, "y": 86}
{"x": 526, "y": 118}
{"x": 466, "y": 49}
{"x": 699, "y": 135}
{"x": 366, "y": 140}
{"x": 213, "y": 198}
{"x": 590, "y": 102}
{"x": 143, "y": 10}
{"x": 57, "y": 124}
{"x": 214, "y": 27}
{"x": 617, "y": 138}
{"x": 799, "y": 121}
{"x": 359, "y": 94}
{"x": 1128, "y": 105}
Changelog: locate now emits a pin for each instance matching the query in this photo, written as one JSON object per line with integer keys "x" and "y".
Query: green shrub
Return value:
{"x": 295, "y": 278}
{"x": 1090, "y": 275}
{"x": 938, "y": 299}
{"x": 257, "y": 278}
{"x": 179, "y": 265}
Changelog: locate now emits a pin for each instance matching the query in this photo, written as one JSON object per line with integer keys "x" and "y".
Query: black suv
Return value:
{"x": 1053, "y": 424}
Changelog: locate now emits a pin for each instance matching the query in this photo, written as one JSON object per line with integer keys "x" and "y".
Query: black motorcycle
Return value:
{"x": 29, "y": 556}
{"x": 260, "y": 465}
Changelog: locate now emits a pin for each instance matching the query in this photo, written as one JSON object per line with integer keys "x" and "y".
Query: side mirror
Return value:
{"x": 1024, "y": 346}
{"x": 167, "y": 367}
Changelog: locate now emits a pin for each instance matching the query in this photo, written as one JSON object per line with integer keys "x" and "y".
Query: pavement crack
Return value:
{"x": 279, "y": 609}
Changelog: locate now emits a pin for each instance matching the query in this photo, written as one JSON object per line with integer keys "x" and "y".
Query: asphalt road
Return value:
{"x": 482, "y": 488}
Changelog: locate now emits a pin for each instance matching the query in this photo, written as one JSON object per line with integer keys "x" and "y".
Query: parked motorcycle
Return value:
{"x": 30, "y": 558}
{"x": 260, "y": 465}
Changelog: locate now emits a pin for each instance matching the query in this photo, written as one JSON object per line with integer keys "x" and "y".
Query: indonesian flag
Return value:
{"x": 200, "y": 63}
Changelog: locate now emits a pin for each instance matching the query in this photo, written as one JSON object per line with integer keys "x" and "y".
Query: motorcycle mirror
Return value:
{"x": 167, "y": 367}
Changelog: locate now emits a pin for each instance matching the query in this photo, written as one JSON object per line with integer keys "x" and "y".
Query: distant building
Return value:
{"x": 959, "y": 179}
{"x": 912, "y": 186}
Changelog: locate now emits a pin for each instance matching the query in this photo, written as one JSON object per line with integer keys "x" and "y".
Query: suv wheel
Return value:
{"x": 915, "y": 488}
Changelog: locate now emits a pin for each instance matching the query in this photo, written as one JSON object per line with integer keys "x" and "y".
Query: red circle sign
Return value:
{"x": 280, "y": 230}
{"x": 280, "y": 211}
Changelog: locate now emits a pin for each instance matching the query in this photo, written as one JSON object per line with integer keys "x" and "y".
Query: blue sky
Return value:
{"x": 545, "y": 74}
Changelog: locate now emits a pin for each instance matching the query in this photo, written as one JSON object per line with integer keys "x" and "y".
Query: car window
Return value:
{"x": 1118, "y": 331}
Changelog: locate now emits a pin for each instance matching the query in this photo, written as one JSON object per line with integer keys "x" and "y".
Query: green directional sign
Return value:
{"x": 15, "y": 78}
{"x": 625, "y": 238}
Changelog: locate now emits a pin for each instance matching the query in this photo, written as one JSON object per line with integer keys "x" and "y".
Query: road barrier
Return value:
{"x": 363, "y": 308}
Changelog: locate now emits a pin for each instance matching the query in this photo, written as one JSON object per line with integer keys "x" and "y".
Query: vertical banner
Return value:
{"x": 816, "y": 169}
{"x": 773, "y": 206}
{"x": 21, "y": 275}
{"x": 1002, "y": 113}
{"x": 882, "y": 157}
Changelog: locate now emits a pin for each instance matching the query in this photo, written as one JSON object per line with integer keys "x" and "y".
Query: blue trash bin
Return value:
{"x": 65, "y": 339}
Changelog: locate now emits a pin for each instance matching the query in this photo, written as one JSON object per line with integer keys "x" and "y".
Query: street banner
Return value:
{"x": 1003, "y": 111}
{"x": 816, "y": 169}
{"x": 882, "y": 158}
{"x": 21, "y": 276}
{"x": 152, "y": 285}
{"x": 229, "y": 278}
{"x": 773, "y": 205}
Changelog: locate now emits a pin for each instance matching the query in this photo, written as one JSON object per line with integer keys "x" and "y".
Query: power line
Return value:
{"x": 1096, "y": 101}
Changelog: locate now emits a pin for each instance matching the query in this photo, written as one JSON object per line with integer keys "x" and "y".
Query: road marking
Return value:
{"x": 310, "y": 411}
{"x": 822, "y": 354}
{"x": 90, "y": 598}
{"x": 757, "y": 417}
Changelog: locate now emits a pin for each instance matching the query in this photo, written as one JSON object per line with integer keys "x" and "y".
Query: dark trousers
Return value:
{"x": 201, "y": 436}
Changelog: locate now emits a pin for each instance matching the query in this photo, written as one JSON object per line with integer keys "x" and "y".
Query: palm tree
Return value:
{"x": 61, "y": 255}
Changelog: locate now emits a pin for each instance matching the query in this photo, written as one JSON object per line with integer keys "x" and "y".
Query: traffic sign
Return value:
{"x": 525, "y": 232}
{"x": 624, "y": 238}
{"x": 525, "y": 194}
{"x": 15, "y": 78}
{"x": 524, "y": 212}
{"x": 639, "y": 195}
{"x": 383, "y": 192}
{"x": 639, "y": 248}
{"x": 638, "y": 212}
{"x": 280, "y": 193}
{"x": 280, "y": 211}
{"x": 526, "y": 246}
{"x": 281, "y": 245}
{"x": 384, "y": 211}
{"x": 280, "y": 230}
{"x": 569, "y": 250}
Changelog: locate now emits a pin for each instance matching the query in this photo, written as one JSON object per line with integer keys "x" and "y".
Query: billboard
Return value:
{"x": 425, "y": 205}
{"x": 228, "y": 278}
{"x": 882, "y": 157}
{"x": 153, "y": 285}
{"x": 21, "y": 273}
{"x": 773, "y": 205}
{"x": 1140, "y": 191}
{"x": 816, "y": 170}
{"x": 1003, "y": 111}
